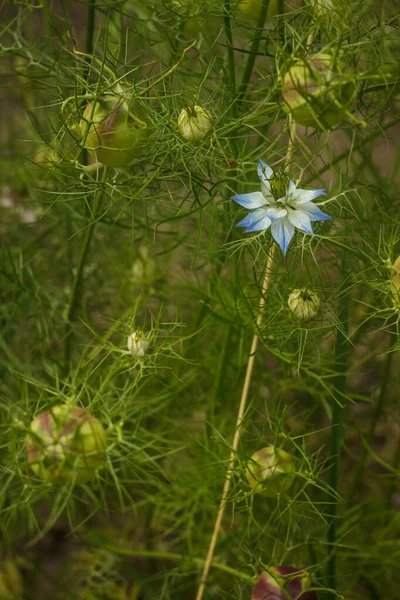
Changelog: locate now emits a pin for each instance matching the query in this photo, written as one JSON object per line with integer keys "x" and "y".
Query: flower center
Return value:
{"x": 305, "y": 295}
{"x": 279, "y": 184}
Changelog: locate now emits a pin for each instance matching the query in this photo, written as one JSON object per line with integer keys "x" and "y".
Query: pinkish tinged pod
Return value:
{"x": 284, "y": 583}
{"x": 111, "y": 133}
{"x": 66, "y": 444}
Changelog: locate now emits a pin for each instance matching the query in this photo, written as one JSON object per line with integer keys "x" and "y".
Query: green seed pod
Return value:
{"x": 194, "y": 123}
{"x": 66, "y": 444}
{"x": 318, "y": 91}
{"x": 111, "y": 133}
{"x": 395, "y": 283}
{"x": 279, "y": 184}
{"x": 270, "y": 471}
{"x": 304, "y": 304}
{"x": 10, "y": 581}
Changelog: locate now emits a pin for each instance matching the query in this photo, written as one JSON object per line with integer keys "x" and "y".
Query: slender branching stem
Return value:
{"x": 177, "y": 557}
{"x": 248, "y": 70}
{"x": 231, "y": 55}
{"x": 243, "y": 401}
{"x": 239, "y": 420}
{"x": 74, "y": 298}
{"x": 90, "y": 26}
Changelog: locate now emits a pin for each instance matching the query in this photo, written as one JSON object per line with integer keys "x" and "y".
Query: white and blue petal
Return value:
{"x": 256, "y": 220}
{"x": 300, "y": 219}
{"x": 291, "y": 188}
{"x": 282, "y": 232}
{"x": 265, "y": 173}
{"x": 276, "y": 212}
{"x": 314, "y": 212}
{"x": 252, "y": 200}
{"x": 300, "y": 196}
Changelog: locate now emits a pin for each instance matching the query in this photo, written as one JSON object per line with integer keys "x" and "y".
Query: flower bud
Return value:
{"x": 111, "y": 133}
{"x": 395, "y": 283}
{"x": 138, "y": 344}
{"x": 318, "y": 91}
{"x": 194, "y": 123}
{"x": 270, "y": 471}
{"x": 284, "y": 583}
{"x": 10, "y": 581}
{"x": 304, "y": 304}
{"x": 66, "y": 444}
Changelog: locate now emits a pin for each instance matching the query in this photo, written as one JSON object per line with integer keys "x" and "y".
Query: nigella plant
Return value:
{"x": 280, "y": 205}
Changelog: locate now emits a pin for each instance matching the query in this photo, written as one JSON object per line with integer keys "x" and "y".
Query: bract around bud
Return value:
{"x": 270, "y": 471}
{"x": 195, "y": 123}
{"x": 304, "y": 304}
{"x": 284, "y": 583}
{"x": 111, "y": 133}
{"x": 318, "y": 91}
{"x": 66, "y": 444}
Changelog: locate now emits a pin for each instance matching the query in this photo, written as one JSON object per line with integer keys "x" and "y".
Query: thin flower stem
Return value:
{"x": 177, "y": 557}
{"x": 236, "y": 439}
{"x": 231, "y": 55}
{"x": 76, "y": 285}
{"x": 91, "y": 10}
{"x": 90, "y": 26}
{"x": 253, "y": 51}
{"x": 243, "y": 399}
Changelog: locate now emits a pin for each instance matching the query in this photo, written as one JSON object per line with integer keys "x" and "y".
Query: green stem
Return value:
{"x": 73, "y": 304}
{"x": 231, "y": 56}
{"x": 253, "y": 51}
{"x": 342, "y": 349}
{"x": 90, "y": 26}
{"x": 178, "y": 557}
{"x": 374, "y": 422}
{"x": 91, "y": 8}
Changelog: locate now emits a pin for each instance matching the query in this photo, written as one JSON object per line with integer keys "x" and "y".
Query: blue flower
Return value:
{"x": 281, "y": 206}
